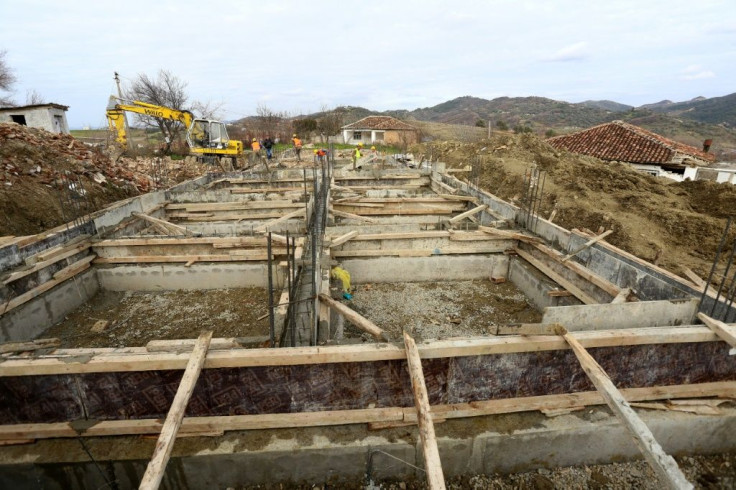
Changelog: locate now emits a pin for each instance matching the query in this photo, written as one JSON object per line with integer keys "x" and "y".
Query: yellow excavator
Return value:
{"x": 207, "y": 139}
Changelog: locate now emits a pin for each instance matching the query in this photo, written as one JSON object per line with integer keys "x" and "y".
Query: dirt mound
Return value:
{"x": 673, "y": 224}
{"x": 36, "y": 166}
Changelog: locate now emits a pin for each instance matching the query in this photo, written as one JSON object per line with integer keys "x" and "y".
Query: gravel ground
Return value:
{"x": 137, "y": 317}
{"x": 433, "y": 310}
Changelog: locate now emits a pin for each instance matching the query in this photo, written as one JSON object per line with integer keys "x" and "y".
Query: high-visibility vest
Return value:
{"x": 256, "y": 146}
{"x": 297, "y": 143}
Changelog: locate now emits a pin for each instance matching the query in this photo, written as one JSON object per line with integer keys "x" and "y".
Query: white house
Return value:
{"x": 51, "y": 117}
{"x": 379, "y": 129}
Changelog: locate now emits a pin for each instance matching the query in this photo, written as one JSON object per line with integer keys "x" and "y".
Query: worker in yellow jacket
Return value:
{"x": 343, "y": 276}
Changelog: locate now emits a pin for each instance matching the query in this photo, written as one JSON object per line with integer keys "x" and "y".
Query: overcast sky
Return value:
{"x": 298, "y": 56}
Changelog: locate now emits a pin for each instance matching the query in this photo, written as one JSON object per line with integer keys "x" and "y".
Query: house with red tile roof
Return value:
{"x": 379, "y": 130}
{"x": 647, "y": 151}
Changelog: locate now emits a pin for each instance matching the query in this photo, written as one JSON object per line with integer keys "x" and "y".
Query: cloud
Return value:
{"x": 573, "y": 52}
{"x": 696, "y": 72}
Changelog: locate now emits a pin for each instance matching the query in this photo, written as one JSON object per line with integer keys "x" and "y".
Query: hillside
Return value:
{"x": 716, "y": 110}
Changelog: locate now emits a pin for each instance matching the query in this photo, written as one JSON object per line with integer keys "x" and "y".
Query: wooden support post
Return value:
{"x": 468, "y": 214}
{"x": 432, "y": 463}
{"x": 587, "y": 244}
{"x": 156, "y": 467}
{"x": 355, "y": 318}
{"x": 723, "y": 330}
{"x": 663, "y": 464}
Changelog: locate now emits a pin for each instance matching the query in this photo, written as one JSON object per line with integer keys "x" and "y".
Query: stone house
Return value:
{"x": 51, "y": 117}
{"x": 381, "y": 130}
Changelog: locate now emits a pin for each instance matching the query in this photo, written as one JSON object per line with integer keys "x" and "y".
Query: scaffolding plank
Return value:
{"x": 156, "y": 467}
{"x": 723, "y": 330}
{"x": 662, "y": 463}
{"x": 432, "y": 463}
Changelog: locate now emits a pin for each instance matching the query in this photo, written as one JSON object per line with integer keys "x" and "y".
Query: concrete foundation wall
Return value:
{"x": 560, "y": 441}
{"x": 536, "y": 285}
{"x": 420, "y": 269}
{"x": 32, "y": 318}
{"x": 198, "y": 276}
{"x": 639, "y": 314}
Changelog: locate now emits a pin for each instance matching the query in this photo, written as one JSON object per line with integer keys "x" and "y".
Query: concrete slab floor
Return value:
{"x": 441, "y": 309}
{"x": 136, "y": 318}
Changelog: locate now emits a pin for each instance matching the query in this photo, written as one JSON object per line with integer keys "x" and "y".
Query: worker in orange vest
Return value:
{"x": 297, "y": 147}
{"x": 256, "y": 147}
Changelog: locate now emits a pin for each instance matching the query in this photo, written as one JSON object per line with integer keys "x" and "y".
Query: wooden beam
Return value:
{"x": 432, "y": 463}
{"x": 78, "y": 361}
{"x": 299, "y": 213}
{"x": 723, "y": 330}
{"x": 469, "y": 213}
{"x": 166, "y": 224}
{"x": 354, "y": 317}
{"x": 622, "y": 297}
{"x": 234, "y": 256}
{"x": 14, "y": 276}
{"x": 344, "y": 238}
{"x": 214, "y": 241}
{"x": 509, "y": 234}
{"x": 29, "y": 346}
{"x": 191, "y": 425}
{"x": 343, "y": 214}
{"x": 156, "y": 467}
{"x": 488, "y": 248}
{"x": 63, "y": 248}
{"x": 576, "y": 291}
{"x": 586, "y": 245}
{"x": 697, "y": 280}
{"x": 235, "y": 205}
{"x": 663, "y": 464}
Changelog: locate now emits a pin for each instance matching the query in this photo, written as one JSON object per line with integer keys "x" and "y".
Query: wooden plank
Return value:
{"x": 587, "y": 244}
{"x": 29, "y": 346}
{"x": 75, "y": 268}
{"x": 243, "y": 255}
{"x": 354, "y": 317}
{"x": 77, "y": 361}
{"x": 360, "y": 416}
{"x": 234, "y": 205}
{"x": 393, "y": 210}
{"x": 698, "y": 281}
{"x": 61, "y": 249}
{"x": 156, "y": 467}
{"x": 495, "y": 247}
{"x": 527, "y": 329}
{"x": 262, "y": 190}
{"x": 568, "y": 285}
{"x": 299, "y": 213}
{"x": 663, "y": 464}
{"x": 344, "y": 238}
{"x": 469, "y": 213}
{"x": 723, "y": 330}
{"x": 210, "y": 217}
{"x": 343, "y": 214}
{"x": 145, "y": 242}
{"x": 622, "y": 297}
{"x": 14, "y": 276}
{"x": 509, "y": 234}
{"x": 432, "y": 463}
{"x": 187, "y": 345}
{"x": 580, "y": 270}
{"x": 166, "y": 224}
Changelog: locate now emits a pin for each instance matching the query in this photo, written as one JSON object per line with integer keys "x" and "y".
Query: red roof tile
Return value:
{"x": 381, "y": 123}
{"x": 625, "y": 142}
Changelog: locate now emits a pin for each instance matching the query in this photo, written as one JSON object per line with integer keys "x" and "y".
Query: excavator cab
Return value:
{"x": 207, "y": 134}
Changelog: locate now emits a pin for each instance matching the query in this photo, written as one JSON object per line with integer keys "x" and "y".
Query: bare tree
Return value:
{"x": 34, "y": 98}
{"x": 166, "y": 90}
{"x": 7, "y": 79}
{"x": 330, "y": 122}
{"x": 208, "y": 110}
{"x": 269, "y": 120}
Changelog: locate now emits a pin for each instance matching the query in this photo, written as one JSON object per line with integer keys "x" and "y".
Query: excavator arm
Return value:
{"x": 116, "y": 116}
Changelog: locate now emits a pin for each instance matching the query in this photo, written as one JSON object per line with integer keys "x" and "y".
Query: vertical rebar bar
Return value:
{"x": 271, "y": 325}
{"x": 715, "y": 262}
{"x": 541, "y": 198}
{"x": 731, "y": 293}
{"x": 723, "y": 281}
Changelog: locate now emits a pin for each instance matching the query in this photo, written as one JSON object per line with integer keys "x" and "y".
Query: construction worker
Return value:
{"x": 356, "y": 155}
{"x": 256, "y": 147}
{"x": 297, "y": 147}
{"x": 268, "y": 145}
{"x": 344, "y": 277}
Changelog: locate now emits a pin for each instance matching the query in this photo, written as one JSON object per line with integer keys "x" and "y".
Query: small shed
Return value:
{"x": 380, "y": 129}
{"x": 51, "y": 117}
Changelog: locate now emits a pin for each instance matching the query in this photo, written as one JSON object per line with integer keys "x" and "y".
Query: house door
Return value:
{"x": 57, "y": 124}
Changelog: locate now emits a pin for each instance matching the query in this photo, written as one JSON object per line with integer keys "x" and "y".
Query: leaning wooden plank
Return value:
{"x": 621, "y": 297}
{"x": 344, "y": 238}
{"x": 509, "y": 234}
{"x": 343, "y": 214}
{"x": 576, "y": 291}
{"x": 432, "y": 463}
{"x": 59, "y": 277}
{"x": 663, "y": 464}
{"x": 163, "y": 223}
{"x": 587, "y": 244}
{"x": 64, "y": 248}
{"x": 723, "y": 330}
{"x": 469, "y": 213}
{"x": 354, "y": 317}
{"x": 697, "y": 280}
{"x": 299, "y": 213}
{"x": 77, "y": 361}
{"x": 156, "y": 467}
{"x": 342, "y": 417}
{"x": 75, "y": 268}
{"x": 41, "y": 265}
{"x": 29, "y": 346}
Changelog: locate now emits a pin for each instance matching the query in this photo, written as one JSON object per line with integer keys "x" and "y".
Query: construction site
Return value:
{"x": 492, "y": 330}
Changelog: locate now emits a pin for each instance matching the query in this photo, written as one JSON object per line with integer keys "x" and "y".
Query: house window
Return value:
{"x": 20, "y": 119}
{"x": 379, "y": 135}
{"x": 357, "y": 135}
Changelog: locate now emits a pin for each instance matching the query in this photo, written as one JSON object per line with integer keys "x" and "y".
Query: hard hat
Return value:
{"x": 373, "y": 147}
{"x": 315, "y": 152}
{"x": 254, "y": 139}
{"x": 360, "y": 144}
{"x": 293, "y": 135}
